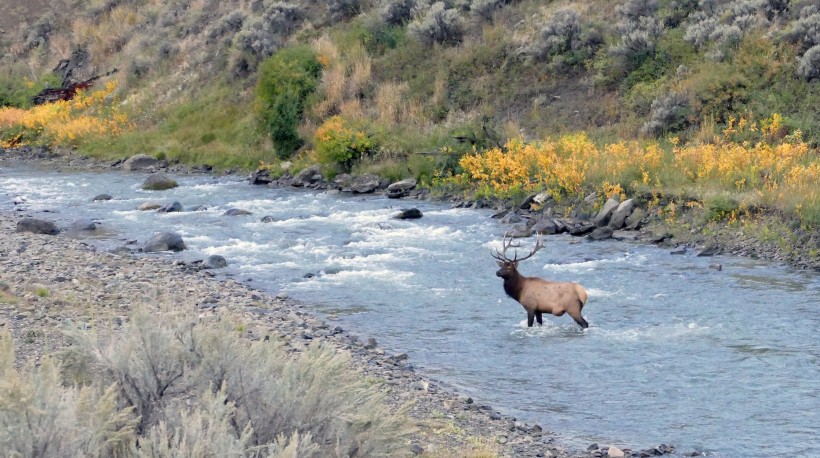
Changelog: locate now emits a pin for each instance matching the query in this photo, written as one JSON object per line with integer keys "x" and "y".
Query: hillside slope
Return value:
{"x": 640, "y": 67}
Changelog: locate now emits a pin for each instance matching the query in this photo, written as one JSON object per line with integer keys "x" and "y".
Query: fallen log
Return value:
{"x": 50, "y": 95}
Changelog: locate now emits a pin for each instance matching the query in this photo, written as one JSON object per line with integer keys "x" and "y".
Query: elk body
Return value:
{"x": 536, "y": 295}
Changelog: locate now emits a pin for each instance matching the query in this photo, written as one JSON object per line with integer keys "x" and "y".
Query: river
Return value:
{"x": 724, "y": 362}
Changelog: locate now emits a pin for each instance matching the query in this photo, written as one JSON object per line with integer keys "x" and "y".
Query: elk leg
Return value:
{"x": 530, "y": 318}
{"x": 579, "y": 319}
{"x": 538, "y": 317}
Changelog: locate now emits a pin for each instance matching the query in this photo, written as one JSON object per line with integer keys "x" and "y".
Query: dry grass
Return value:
{"x": 391, "y": 103}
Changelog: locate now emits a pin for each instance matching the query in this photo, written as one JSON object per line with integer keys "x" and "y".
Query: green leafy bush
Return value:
{"x": 17, "y": 92}
{"x": 720, "y": 207}
{"x": 286, "y": 79}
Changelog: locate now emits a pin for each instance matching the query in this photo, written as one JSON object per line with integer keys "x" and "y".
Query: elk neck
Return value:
{"x": 513, "y": 285}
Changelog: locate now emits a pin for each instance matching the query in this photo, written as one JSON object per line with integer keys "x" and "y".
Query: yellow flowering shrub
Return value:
{"x": 337, "y": 142}
{"x": 778, "y": 166}
{"x": 65, "y": 122}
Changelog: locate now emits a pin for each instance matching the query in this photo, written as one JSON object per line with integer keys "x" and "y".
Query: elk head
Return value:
{"x": 509, "y": 267}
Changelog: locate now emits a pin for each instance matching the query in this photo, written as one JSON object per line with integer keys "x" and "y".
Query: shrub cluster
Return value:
{"x": 724, "y": 24}
{"x": 437, "y": 24}
{"x": 339, "y": 10}
{"x": 88, "y": 116}
{"x": 261, "y": 36}
{"x": 563, "y": 40}
{"x": 167, "y": 385}
{"x": 669, "y": 113}
{"x": 639, "y": 30}
{"x": 805, "y": 32}
{"x": 484, "y": 10}
{"x": 286, "y": 79}
{"x": 397, "y": 12}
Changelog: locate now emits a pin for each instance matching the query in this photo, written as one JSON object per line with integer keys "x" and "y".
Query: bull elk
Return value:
{"x": 537, "y": 295}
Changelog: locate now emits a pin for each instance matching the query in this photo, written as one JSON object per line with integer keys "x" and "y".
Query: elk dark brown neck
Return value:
{"x": 513, "y": 285}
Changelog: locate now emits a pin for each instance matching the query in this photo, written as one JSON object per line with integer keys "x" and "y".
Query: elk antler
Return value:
{"x": 502, "y": 255}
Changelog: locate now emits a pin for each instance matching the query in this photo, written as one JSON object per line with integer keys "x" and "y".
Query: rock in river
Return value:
{"x": 164, "y": 241}
{"x": 159, "y": 182}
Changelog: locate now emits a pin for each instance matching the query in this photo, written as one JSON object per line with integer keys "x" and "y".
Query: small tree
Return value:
{"x": 286, "y": 80}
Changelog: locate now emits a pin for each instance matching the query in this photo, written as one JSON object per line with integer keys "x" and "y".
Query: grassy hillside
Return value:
{"x": 727, "y": 89}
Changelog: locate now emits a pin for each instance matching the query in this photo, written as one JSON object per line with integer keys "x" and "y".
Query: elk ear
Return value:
{"x": 500, "y": 264}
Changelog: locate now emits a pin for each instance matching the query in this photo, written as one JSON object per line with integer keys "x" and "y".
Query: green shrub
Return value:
{"x": 17, "y": 92}
{"x": 721, "y": 207}
{"x": 286, "y": 79}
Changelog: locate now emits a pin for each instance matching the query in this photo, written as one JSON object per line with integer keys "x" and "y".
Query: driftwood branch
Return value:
{"x": 49, "y": 95}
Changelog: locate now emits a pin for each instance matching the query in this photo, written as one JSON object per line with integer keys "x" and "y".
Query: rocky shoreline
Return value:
{"x": 47, "y": 282}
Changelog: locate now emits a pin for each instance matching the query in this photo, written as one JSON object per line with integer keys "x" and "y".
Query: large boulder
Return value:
{"x": 366, "y": 183}
{"x": 261, "y": 177}
{"x": 141, "y": 162}
{"x": 343, "y": 181}
{"x": 400, "y": 188}
{"x": 519, "y": 231}
{"x": 37, "y": 226}
{"x": 512, "y": 218}
{"x": 601, "y": 233}
{"x": 214, "y": 261}
{"x": 620, "y": 214}
{"x": 545, "y": 226}
{"x": 307, "y": 178}
{"x": 634, "y": 221}
{"x": 164, "y": 241}
{"x": 603, "y": 216}
{"x": 579, "y": 228}
{"x": 159, "y": 182}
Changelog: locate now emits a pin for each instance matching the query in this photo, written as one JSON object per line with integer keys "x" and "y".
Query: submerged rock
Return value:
{"x": 170, "y": 208}
{"x": 236, "y": 212}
